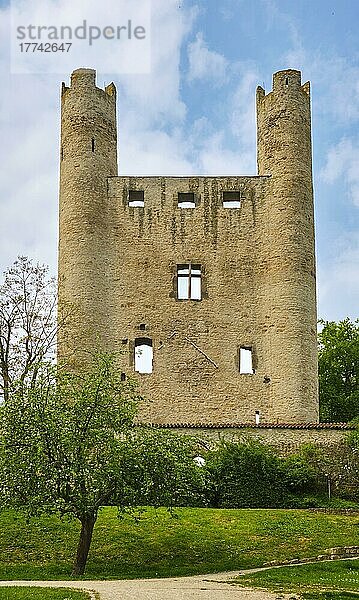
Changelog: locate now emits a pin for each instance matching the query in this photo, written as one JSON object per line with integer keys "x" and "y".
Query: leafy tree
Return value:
{"x": 339, "y": 370}
{"x": 28, "y": 324}
{"x": 69, "y": 446}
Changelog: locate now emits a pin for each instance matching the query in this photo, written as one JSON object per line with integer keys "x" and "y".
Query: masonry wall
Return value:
{"x": 149, "y": 243}
{"x": 287, "y": 267}
{"x": 196, "y": 343}
{"x": 285, "y": 439}
{"x": 88, "y": 155}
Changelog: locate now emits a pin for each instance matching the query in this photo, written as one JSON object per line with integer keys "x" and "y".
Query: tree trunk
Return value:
{"x": 87, "y": 525}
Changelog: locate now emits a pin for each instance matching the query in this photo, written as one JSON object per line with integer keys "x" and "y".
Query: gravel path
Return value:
{"x": 199, "y": 587}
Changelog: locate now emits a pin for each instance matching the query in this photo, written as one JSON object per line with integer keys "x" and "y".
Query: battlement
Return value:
{"x": 288, "y": 80}
{"x": 84, "y": 80}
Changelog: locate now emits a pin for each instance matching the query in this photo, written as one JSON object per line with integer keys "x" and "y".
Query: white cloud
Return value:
{"x": 103, "y": 35}
{"x": 343, "y": 162}
{"x": 217, "y": 159}
{"x": 335, "y": 83}
{"x": 204, "y": 63}
{"x": 30, "y": 127}
{"x": 155, "y": 134}
{"x": 339, "y": 293}
{"x": 242, "y": 107}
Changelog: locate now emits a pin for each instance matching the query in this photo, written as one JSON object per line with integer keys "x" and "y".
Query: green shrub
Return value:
{"x": 299, "y": 477}
{"x": 250, "y": 475}
{"x": 243, "y": 475}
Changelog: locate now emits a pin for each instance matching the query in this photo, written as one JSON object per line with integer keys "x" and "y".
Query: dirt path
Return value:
{"x": 199, "y": 587}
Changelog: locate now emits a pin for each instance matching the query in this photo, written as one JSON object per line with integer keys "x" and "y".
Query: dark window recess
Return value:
{"x": 189, "y": 282}
{"x": 136, "y": 198}
{"x": 62, "y": 153}
{"x": 93, "y": 144}
{"x": 246, "y": 360}
{"x": 143, "y": 355}
{"x": 123, "y": 376}
{"x": 186, "y": 200}
{"x": 232, "y": 199}
{"x": 287, "y": 81}
{"x": 142, "y": 326}
{"x": 124, "y": 341}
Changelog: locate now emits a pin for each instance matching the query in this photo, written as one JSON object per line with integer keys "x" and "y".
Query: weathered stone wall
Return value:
{"x": 118, "y": 264}
{"x": 285, "y": 439}
{"x": 149, "y": 243}
{"x": 88, "y": 157}
{"x": 288, "y": 320}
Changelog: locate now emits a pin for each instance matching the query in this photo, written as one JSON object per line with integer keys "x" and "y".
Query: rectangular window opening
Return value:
{"x": 258, "y": 417}
{"x": 231, "y": 199}
{"x": 93, "y": 144}
{"x": 143, "y": 355}
{"x": 189, "y": 284}
{"x": 136, "y": 198}
{"x": 186, "y": 200}
{"x": 246, "y": 360}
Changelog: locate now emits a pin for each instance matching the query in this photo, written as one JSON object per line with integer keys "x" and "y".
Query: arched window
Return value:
{"x": 143, "y": 355}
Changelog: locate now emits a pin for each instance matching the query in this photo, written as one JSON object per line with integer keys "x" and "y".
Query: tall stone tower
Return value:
{"x": 204, "y": 287}
{"x": 88, "y": 158}
{"x": 287, "y": 265}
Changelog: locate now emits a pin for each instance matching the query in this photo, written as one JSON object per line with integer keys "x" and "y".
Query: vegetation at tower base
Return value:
{"x": 338, "y": 465}
{"x": 339, "y": 370}
{"x": 252, "y": 475}
{"x": 69, "y": 447}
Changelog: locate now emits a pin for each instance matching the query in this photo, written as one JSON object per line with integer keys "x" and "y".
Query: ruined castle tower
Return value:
{"x": 204, "y": 287}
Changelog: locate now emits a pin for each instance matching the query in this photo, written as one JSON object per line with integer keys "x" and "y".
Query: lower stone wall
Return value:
{"x": 339, "y": 553}
{"x": 286, "y": 438}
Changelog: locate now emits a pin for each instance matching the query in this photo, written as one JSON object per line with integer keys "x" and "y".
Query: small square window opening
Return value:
{"x": 232, "y": 199}
{"x": 136, "y": 198}
{"x": 186, "y": 200}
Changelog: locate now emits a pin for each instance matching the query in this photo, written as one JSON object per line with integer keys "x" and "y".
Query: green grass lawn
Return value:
{"x": 330, "y": 596}
{"x": 338, "y": 576}
{"x": 29, "y": 593}
{"x": 198, "y": 541}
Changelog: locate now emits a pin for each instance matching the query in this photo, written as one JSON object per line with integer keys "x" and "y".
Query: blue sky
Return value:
{"x": 194, "y": 113}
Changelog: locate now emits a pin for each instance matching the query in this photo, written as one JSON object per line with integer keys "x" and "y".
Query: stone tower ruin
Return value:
{"x": 203, "y": 286}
